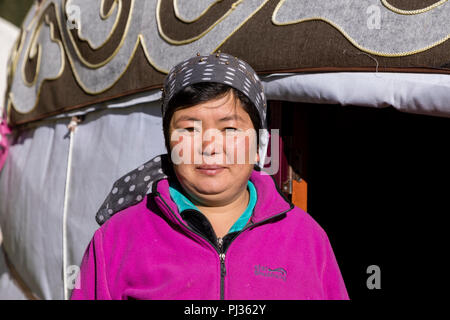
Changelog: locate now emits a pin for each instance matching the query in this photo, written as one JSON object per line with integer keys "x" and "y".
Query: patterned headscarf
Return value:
{"x": 219, "y": 68}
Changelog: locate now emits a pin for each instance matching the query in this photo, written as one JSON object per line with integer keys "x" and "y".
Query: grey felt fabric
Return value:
{"x": 371, "y": 25}
{"x": 23, "y": 95}
{"x": 104, "y": 25}
{"x": 188, "y": 10}
{"x": 163, "y": 55}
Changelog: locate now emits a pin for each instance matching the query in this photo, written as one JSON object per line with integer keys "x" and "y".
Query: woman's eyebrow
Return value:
{"x": 233, "y": 117}
{"x": 227, "y": 118}
{"x": 186, "y": 118}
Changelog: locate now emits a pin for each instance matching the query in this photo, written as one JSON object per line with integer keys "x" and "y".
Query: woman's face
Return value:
{"x": 213, "y": 148}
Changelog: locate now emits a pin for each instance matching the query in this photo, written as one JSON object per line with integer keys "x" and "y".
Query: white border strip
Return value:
{"x": 66, "y": 201}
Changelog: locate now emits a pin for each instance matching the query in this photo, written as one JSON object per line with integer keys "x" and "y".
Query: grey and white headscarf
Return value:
{"x": 218, "y": 67}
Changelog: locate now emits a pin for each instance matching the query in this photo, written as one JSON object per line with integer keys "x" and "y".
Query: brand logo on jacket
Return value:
{"x": 277, "y": 273}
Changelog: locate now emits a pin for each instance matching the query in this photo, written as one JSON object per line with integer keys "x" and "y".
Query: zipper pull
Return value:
{"x": 221, "y": 255}
{"x": 223, "y": 270}
{"x": 220, "y": 244}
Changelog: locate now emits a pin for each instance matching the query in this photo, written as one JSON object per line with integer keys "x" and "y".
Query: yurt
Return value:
{"x": 358, "y": 89}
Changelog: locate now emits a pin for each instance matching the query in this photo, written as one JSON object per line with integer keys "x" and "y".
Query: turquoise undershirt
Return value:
{"x": 184, "y": 203}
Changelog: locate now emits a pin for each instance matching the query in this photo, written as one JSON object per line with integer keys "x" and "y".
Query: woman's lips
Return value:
{"x": 210, "y": 170}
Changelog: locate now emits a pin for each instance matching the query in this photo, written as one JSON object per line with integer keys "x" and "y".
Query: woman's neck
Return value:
{"x": 223, "y": 217}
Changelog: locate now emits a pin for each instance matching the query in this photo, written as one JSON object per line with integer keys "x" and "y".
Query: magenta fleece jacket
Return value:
{"x": 147, "y": 251}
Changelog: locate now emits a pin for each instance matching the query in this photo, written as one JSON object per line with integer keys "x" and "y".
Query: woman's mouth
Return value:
{"x": 210, "y": 170}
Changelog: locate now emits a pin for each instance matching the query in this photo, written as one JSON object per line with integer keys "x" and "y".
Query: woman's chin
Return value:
{"x": 210, "y": 187}
{"x": 210, "y": 184}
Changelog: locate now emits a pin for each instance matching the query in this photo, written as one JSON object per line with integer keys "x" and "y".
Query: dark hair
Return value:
{"x": 202, "y": 92}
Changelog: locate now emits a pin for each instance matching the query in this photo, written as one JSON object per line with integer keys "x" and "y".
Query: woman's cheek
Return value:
{"x": 182, "y": 150}
{"x": 240, "y": 148}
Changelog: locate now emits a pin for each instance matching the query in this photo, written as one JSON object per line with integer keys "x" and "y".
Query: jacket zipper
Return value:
{"x": 215, "y": 246}
{"x": 219, "y": 246}
{"x": 223, "y": 270}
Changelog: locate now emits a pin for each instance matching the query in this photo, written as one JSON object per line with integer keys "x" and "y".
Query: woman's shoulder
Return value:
{"x": 299, "y": 219}
{"x": 128, "y": 219}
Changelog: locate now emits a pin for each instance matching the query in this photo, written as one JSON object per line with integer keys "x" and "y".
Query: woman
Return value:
{"x": 203, "y": 221}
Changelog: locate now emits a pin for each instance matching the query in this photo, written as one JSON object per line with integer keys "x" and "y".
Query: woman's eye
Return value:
{"x": 231, "y": 129}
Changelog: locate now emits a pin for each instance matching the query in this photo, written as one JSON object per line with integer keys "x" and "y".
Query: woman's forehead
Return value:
{"x": 223, "y": 108}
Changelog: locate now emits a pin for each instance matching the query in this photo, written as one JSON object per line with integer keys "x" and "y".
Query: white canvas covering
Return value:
{"x": 48, "y": 212}
{"x": 427, "y": 94}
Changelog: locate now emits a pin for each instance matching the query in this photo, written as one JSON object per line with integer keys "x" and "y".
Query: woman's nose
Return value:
{"x": 212, "y": 143}
{"x": 209, "y": 147}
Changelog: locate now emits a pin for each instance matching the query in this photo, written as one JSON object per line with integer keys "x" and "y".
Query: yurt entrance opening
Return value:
{"x": 373, "y": 179}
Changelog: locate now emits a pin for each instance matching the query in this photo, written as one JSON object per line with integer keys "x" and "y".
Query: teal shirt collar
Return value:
{"x": 184, "y": 203}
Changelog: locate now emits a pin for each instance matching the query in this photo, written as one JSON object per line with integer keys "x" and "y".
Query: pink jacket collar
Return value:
{"x": 271, "y": 202}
